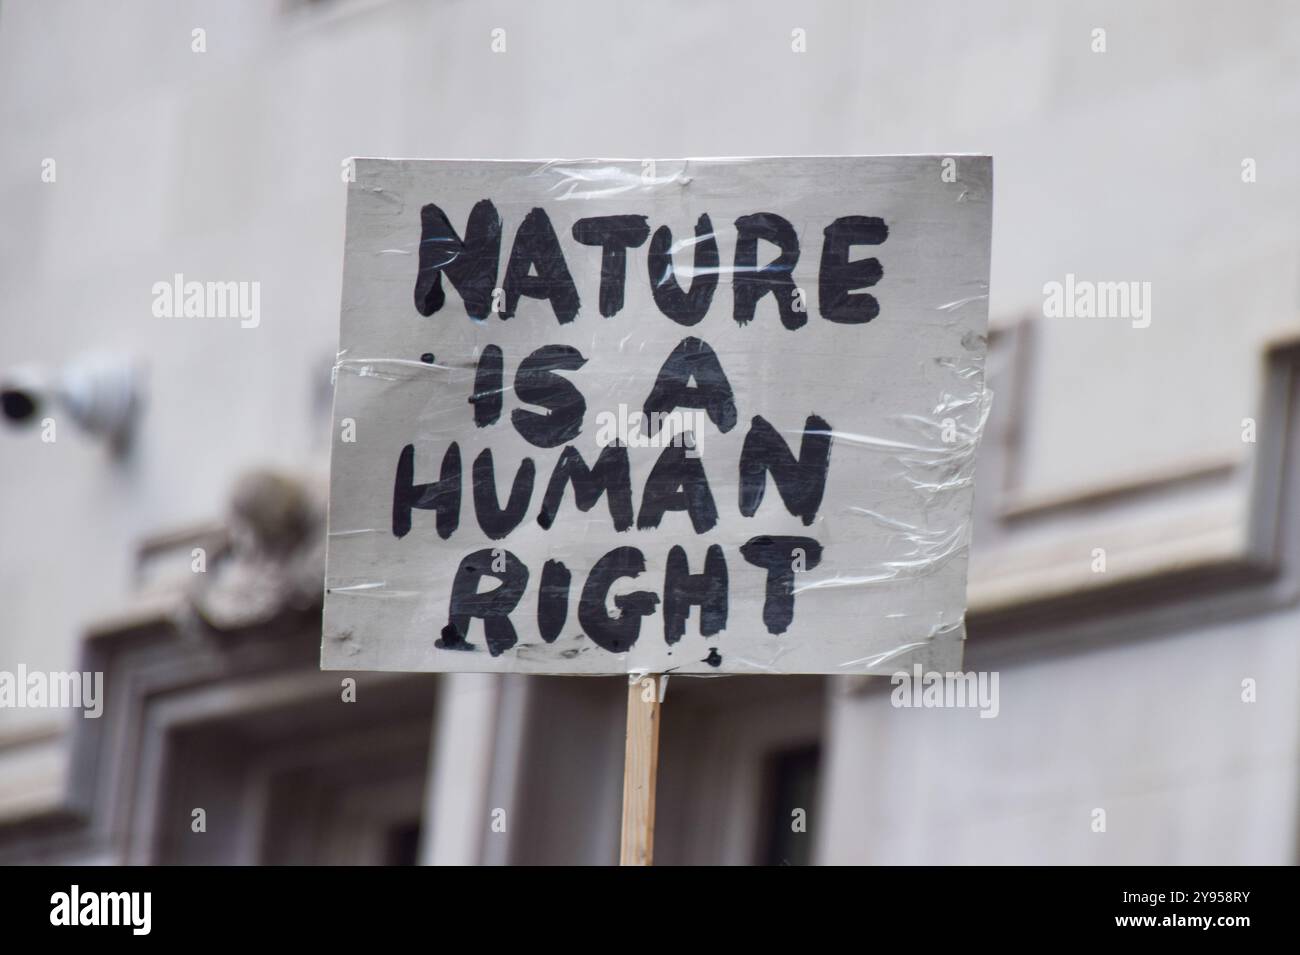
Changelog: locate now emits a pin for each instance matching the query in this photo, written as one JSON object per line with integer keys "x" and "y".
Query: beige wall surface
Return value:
{"x": 1123, "y": 165}
{"x": 1154, "y": 734}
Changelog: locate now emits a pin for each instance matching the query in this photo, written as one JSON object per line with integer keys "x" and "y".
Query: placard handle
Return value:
{"x": 640, "y": 770}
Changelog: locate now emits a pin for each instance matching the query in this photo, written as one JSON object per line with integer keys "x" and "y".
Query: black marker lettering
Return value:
{"x": 471, "y": 265}
{"x": 685, "y": 308}
{"x": 801, "y": 483}
{"x": 751, "y": 283}
{"x": 838, "y": 276}
{"x": 537, "y": 247}
{"x": 488, "y": 384}
{"x": 677, "y": 483}
{"x": 442, "y": 495}
{"x": 536, "y": 383}
{"x": 611, "y": 476}
{"x": 493, "y": 607}
{"x": 692, "y": 360}
{"x": 615, "y": 634}
{"x": 495, "y": 520}
{"x": 553, "y": 599}
{"x": 615, "y": 235}
{"x": 683, "y": 590}
{"x": 778, "y": 556}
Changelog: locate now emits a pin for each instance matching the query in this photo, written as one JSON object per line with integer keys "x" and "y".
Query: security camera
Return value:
{"x": 100, "y": 393}
{"x": 22, "y": 394}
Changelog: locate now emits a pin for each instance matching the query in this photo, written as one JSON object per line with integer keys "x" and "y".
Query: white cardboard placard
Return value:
{"x": 816, "y": 517}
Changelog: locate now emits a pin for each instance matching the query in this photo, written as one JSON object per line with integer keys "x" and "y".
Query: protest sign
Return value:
{"x": 691, "y": 416}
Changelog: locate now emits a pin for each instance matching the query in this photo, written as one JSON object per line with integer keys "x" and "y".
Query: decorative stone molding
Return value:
{"x": 212, "y": 687}
{"x": 274, "y": 560}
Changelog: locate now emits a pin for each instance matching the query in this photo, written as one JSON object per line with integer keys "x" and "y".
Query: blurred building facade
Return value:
{"x": 1136, "y": 559}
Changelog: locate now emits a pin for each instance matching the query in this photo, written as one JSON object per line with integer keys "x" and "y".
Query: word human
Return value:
{"x": 691, "y": 376}
{"x": 75, "y": 907}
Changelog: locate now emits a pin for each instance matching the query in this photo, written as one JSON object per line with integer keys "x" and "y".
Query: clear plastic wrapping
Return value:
{"x": 692, "y": 416}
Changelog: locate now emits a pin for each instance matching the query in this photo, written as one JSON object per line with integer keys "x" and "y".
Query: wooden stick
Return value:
{"x": 640, "y": 771}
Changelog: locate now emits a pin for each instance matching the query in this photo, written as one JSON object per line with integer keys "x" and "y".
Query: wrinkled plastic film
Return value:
{"x": 693, "y": 584}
